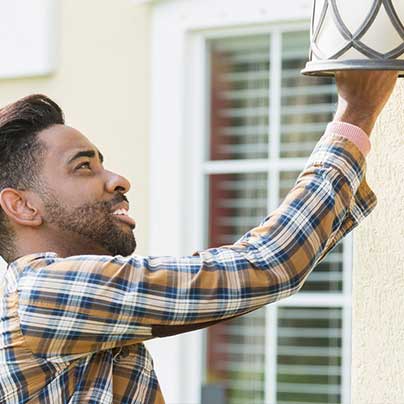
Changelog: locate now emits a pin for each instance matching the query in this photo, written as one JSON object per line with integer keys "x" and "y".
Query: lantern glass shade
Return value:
{"x": 355, "y": 35}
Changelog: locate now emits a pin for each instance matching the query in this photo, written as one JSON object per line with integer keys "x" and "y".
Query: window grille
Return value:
{"x": 264, "y": 120}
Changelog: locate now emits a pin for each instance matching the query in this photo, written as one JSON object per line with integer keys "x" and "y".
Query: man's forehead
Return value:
{"x": 61, "y": 141}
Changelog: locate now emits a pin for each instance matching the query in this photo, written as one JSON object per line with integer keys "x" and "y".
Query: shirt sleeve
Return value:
{"x": 87, "y": 303}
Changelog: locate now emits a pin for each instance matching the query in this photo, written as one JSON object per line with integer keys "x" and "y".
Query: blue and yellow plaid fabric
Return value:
{"x": 72, "y": 328}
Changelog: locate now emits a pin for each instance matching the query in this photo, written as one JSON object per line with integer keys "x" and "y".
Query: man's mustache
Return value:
{"x": 118, "y": 198}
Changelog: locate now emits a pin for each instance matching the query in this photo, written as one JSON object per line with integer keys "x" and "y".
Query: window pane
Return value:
{"x": 237, "y": 203}
{"x": 307, "y": 102}
{"x": 309, "y": 355}
{"x": 236, "y": 349}
{"x": 239, "y": 86}
{"x": 328, "y": 275}
{"x": 236, "y": 359}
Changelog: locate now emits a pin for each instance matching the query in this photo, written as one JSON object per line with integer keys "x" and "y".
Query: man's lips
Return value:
{"x": 126, "y": 219}
{"x": 120, "y": 212}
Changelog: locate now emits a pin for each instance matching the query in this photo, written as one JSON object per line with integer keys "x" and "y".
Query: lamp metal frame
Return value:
{"x": 377, "y": 60}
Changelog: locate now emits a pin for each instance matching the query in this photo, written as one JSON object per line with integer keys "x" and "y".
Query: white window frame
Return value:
{"x": 178, "y": 219}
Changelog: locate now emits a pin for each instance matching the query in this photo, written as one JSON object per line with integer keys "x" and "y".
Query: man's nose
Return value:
{"x": 116, "y": 182}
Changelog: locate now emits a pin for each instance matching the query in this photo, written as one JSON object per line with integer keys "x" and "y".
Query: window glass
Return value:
{"x": 309, "y": 355}
{"x": 239, "y": 80}
{"x": 236, "y": 349}
{"x": 236, "y": 360}
{"x": 307, "y": 103}
{"x": 237, "y": 203}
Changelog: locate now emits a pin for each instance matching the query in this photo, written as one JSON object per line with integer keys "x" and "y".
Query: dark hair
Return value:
{"x": 21, "y": 151}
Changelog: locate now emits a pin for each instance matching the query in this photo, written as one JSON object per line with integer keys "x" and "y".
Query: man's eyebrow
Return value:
{"x": 86, "y": 153}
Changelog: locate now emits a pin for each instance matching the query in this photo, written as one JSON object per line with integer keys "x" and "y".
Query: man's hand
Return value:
{"x": 362, "y": 95}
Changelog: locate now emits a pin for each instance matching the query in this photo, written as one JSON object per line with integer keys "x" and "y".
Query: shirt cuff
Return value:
{"x": 337, "y": 151}
{"x": 353, "y": 133}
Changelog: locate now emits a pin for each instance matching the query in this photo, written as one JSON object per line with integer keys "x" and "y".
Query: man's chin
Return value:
{"x": 130, "y": 251}
{"x": 125, "y": 247}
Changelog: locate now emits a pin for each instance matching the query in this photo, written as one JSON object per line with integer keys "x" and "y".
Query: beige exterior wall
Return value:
{"x": 102, "y": 84}
{"x": 378, "y": 290}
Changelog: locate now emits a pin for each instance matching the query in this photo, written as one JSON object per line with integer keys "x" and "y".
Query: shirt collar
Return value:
{"x": 21, "y": 261}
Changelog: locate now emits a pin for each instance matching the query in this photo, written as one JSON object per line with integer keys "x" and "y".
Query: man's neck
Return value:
{"x": 65, "y": 245}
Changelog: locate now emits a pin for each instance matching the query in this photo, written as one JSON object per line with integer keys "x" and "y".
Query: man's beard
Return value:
{"x": 92, "y": 221}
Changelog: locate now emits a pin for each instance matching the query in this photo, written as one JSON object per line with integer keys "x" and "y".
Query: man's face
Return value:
{"x": 83, "y": 201}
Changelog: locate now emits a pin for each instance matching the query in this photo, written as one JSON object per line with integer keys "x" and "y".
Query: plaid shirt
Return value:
{"x": 72, "y": 328}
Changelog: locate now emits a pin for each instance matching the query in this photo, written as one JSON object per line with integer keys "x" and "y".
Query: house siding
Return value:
{"x": 378, "y": 281}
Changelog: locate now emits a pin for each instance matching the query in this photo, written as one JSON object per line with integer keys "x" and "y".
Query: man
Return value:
{"x": 75, "y": 311}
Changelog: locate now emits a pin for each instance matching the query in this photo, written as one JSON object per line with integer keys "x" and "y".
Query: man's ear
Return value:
{"x": 18, "y": 206}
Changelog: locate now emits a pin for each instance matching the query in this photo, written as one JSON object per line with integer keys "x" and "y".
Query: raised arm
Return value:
{"x": 87, "y": 303}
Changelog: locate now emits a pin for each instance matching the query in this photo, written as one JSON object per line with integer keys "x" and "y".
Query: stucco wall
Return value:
{"x": 378, "y": 290}
{"x": 102, "y": 83}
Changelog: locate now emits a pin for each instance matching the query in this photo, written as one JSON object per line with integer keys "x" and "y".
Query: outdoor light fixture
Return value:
{"x": 356, "y": 35}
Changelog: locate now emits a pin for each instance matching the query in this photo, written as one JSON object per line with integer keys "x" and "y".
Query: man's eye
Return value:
{"x": 84, "y": 165}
